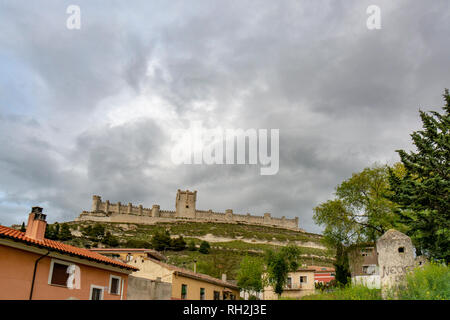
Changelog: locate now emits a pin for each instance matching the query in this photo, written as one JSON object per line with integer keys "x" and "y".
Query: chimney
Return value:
{"x": 224, "y": 277}
{"x": 195, "y": 265}
{"x": 36, "y": 224}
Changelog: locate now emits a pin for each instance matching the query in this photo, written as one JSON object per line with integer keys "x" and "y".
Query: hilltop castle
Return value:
{"x": 185, "y": 209}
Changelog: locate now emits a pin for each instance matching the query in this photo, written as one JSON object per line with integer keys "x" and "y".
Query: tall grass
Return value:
{"x": 349, "y": 292}
{"x": 430, "y": 282}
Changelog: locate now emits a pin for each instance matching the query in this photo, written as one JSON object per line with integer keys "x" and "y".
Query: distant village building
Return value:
{"x": 33, "y": 267}
{"x": 185, "y": 209}
{"x": 185, "y": 284}
{"x": 363, "y": 263}
{"x": 299, "y": 283}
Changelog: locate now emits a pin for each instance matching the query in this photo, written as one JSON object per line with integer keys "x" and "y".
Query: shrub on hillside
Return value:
{"x": 204, "y": 247}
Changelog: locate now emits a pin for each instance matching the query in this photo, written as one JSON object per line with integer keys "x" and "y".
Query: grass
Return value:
{"x": 350, "y": 292}
{"x": 430, "y": 282}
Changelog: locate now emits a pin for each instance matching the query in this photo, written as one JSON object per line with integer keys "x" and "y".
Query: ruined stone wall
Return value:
{"x": 395, "y": 258}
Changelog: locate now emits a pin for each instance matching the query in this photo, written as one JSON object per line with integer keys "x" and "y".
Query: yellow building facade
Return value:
{"x": 186, "y": 284}
{"x": 299, "y": 283}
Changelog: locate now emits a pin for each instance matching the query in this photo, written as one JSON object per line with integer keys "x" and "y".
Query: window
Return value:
{"x": 289, "y": 282}
{"x": 183, "y": 291}
{"x": 187, "y": 207}
{"x": 303, "y": 279}
{"x": 96, "y": 292}
{"x": 58, "y": 273}
{"x": 129, "y": 257}
{"x": 202, "y": 293}
{"x": 216, "y": 295}
{"x": 114, "y": 285}
{"x": 401, "y": 249}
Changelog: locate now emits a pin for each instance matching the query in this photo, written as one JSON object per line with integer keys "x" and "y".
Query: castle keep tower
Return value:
{"x": 185, "y": 203}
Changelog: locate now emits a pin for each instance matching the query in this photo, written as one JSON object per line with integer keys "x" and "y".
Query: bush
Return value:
{"x": 133, "y": 243}
{"x": 161, "y": 241}
{"x": 204, "y": 247}
{"x": 349, "y": 292}
{"x": 178, "y": 244}
{"x": 191, "y": 246}
{"x": 430, "y": 282}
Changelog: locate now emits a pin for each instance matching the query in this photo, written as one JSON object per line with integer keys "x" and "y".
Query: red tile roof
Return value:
{"x": 192, "y": 274}
{"x": 17, "y": 235}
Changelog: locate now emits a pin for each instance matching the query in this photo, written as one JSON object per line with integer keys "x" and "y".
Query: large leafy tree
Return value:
{"x": 423, "y": 192}
{"x": 279, "y": 264}
{"x": 359, "y": 213}
{"x": 250, "y": 274}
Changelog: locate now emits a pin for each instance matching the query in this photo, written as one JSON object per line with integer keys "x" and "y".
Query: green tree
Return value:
{"x": 110, "y": 240}
{"x": 279, "y": 264}
{"x": 191, "y": 246}
{"x": 135, "y": 243}
{"x": 204, "y": 247}
{"x": 161, "y": 241}
{"x": 250, "y": 274}
{"x": 64, "y": 232}
{"x": 22, "y": 228}
{"x": 423, "y": 192}
{"x": 178, "y": 244}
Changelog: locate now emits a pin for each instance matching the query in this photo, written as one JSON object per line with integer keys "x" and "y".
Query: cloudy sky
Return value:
{"x": 92, "y": 111}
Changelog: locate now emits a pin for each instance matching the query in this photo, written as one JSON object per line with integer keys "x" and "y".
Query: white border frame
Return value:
{"x": 93, "y": 286}
{"x": 50, "y": 275}
{"x": 111, "y": 276}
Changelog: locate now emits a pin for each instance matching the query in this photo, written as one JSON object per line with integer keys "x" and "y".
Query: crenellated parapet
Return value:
{"x": 185, "y": 208}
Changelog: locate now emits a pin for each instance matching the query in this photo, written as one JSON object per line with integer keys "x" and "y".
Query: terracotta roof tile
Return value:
{"x": 17, "y": 235}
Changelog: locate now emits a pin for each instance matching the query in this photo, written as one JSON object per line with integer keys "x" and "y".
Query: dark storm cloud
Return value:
{"x": 91, "y": 111}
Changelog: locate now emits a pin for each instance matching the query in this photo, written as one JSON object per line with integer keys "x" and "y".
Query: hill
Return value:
{"x": 229, "y": 242}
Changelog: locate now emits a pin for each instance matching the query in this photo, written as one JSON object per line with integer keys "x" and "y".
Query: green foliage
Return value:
{"x": 430, "y": 282}
{"x": 135, "y": 243}
{"x": 52, "y": 231}
{"x": 250, "y": 274}
{"x": 279, "y": 264}
{"x": 191, "y": 246}
{"x": 22, "y": 228}
{"x": 204, "y": 247}
{"x": 110, "y": 240}
{"x": 64, "y": 232}
{"x": 161, "y": 241}
{"x": 423, "y": 192}
{"x": 178, "y": 244}
{"x": 349, "y": 292}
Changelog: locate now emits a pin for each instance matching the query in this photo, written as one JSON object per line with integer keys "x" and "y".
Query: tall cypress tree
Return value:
{"x": 423, "y": 193}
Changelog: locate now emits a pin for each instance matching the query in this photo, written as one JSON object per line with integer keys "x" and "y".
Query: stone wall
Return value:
{"x": 104, "y": 211}
{"x": 146, "y": 289}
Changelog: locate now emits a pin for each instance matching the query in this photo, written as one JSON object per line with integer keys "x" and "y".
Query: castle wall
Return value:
{"x": 185, "y": 209}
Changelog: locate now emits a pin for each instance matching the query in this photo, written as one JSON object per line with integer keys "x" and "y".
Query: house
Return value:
{"x": 33, "y": 267}
{"x": 299, "y": 283}
{"x": 186, "y": 284}
{"x": 363, "y": 263}
{"x": 323, "y": 274}
{"x": 140, "y": 288}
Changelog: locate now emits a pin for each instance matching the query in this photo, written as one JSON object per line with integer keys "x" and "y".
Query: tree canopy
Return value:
{"x": 423, "y": 191}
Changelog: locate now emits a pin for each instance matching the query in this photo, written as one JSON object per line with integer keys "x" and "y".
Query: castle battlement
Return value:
{"x": 185, "y": 208}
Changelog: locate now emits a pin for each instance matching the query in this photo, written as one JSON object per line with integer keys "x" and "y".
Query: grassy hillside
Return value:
{"x": 229, "y": 243}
